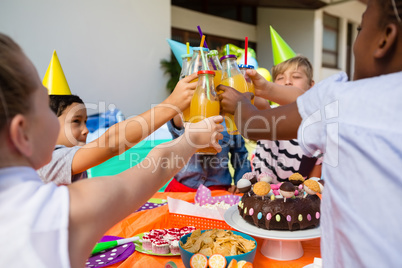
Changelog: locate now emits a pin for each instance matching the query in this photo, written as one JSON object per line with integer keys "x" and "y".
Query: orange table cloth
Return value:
{"x": 146, "y": 220}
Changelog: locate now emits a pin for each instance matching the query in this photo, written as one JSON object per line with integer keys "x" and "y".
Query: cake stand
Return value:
{"x": 277, "y": 245}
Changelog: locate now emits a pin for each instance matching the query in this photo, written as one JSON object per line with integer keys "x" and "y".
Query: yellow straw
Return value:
{"x": 188, "y": 47}
{"x": 202, "y": 41}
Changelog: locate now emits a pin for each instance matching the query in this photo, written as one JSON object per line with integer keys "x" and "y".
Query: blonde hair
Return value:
{"x": 295, "y": 62}
{"x": 16, "y": 85}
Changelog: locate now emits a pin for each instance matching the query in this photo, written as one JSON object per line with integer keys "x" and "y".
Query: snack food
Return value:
{"x": 165, "y": 241}
{"x": 285, "y": 207}
{"x": 217, "y": 241}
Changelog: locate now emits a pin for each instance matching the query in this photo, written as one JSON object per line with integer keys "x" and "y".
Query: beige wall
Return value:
{"x": 110, "y": 51}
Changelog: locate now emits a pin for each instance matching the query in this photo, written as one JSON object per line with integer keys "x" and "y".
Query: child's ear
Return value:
{"x": 387, "y": 40}
{"x": 19, "y": 135}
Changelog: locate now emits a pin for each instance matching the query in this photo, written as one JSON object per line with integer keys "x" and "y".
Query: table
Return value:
{"x": 146, "y": 220}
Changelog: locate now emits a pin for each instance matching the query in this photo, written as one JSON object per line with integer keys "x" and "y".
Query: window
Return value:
{"x": 242, "y": 11}
{"x": 330, "y": 41}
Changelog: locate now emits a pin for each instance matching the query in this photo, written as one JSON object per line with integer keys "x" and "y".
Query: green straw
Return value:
{"x": 227, "y": 53}
{"x": 204, "y": 63}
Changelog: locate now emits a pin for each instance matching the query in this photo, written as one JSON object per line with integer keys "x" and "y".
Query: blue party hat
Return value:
{"x": 178, "y": 49}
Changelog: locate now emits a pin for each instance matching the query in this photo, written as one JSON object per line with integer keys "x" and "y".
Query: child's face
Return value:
{"x": 73, "y": 130}
{"x": 294, "y": 77}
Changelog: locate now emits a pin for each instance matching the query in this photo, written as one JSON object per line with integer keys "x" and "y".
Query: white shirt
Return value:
{"x": 358, "y": 127}
{"x": 33, "y": 220}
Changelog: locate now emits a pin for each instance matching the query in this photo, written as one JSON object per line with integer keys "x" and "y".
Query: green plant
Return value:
{"x": 172, "y": 68}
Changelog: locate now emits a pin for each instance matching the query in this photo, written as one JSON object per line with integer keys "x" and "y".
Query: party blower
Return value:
{"x": 111, "y": 244}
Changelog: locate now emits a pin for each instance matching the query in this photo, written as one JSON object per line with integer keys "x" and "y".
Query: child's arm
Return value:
{"x": 239, "y": 160}
{"x": 98, "y": 203}
{"x": 273, "y": 92}
{"x": 280, "y": 123}
{"x": 124, "y": 135}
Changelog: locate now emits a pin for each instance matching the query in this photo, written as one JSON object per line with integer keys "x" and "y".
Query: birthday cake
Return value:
{"x": 291, "y": 205}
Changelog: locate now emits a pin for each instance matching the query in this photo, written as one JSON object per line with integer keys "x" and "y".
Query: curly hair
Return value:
{"x": 391, "y": 11}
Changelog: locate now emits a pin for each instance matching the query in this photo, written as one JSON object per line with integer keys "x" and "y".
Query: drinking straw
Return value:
{"x": 202, "y": 41}
{"x": 245, "y": 50}
{"x": 201, "y": 34}
{"x": 204, "y": 63}
{"x": 227, "y": 53}
{"x": 188, "y": 50}
{"x": 206, "y": 45}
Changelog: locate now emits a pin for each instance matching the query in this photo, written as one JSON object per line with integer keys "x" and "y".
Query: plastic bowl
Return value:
{"x": 249, "y": 256}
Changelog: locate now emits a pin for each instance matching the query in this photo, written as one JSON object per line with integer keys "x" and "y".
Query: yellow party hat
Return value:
{"x": 54, "y": 79}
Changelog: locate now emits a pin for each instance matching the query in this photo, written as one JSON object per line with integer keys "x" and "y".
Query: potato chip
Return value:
{"x": 218, "y": 241}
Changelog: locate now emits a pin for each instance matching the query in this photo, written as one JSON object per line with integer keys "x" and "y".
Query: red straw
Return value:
{"x": 245, "y": 51}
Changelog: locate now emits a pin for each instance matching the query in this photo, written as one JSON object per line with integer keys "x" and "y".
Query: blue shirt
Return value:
{"x": 213, "y": 170}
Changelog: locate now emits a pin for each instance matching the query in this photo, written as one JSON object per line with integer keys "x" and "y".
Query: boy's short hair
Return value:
{"x": 58, "y": 103}
{"x": 296, "y": 62}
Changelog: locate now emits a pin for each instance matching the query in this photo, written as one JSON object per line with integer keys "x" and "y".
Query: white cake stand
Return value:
{"x": 277, "y": 245}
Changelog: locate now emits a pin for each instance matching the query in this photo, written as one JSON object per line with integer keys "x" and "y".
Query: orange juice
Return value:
{"x": 201, "y": 108}
{"x": 205, "y": 103}
{"x": 239, "y": 83}
{"x": 217, "y": 77}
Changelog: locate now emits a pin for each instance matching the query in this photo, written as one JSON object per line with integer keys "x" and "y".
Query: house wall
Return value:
{"x": 189, "y": 20}
{"x": 294, "y": 26}
{"x": 110, "y": 51}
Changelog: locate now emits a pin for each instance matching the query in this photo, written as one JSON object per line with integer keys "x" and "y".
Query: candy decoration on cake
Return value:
{"x": 321, "y": 183}
{"x": 265, "y": 177}
{"x": 264, "y": 205}
{"x": 287, "y": 190}
{"x": 250, "y": 176}
{"x": 296, "y": 179}
{"x": 311, "y": 187}
{"x": 261, "y": 188}
{"x": 243, "y": 185}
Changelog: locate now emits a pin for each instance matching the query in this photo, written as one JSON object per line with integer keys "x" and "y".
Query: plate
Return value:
{"x": 139, "y": 248}
{"x": 233, "y": 218}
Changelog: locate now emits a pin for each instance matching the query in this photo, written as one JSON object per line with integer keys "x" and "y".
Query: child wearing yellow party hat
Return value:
{"x": 72, "y": 156}
{"x": 292, "y": 76}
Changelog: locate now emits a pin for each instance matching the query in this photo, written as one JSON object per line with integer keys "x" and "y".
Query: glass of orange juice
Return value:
{"x": 243, "y": 68}
{"x": 186, "y": 58}
{"x": 194, "y": 66}
{"x": 232, "y": 77}
{"x": 205, "y": 102}
{"x": 216, "y": 65}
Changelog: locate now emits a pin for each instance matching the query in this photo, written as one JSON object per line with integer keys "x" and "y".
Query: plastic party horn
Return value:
{"x": 111, "y": 244}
